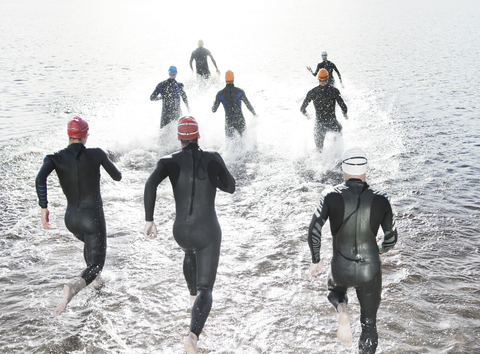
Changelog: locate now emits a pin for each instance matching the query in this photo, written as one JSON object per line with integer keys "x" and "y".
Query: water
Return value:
{"x": 411, "y": 85}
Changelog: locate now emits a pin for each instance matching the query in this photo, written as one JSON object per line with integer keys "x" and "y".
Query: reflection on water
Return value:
{"x": 419, "y": 128}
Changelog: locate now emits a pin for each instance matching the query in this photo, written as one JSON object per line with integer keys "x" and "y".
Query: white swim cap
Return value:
{"x": 354, "y": 161}
{"x": 324, "y": 54}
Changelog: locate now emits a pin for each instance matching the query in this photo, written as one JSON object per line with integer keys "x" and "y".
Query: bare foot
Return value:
{"x": 190, "y": 343}
{"x": 344, "y": 332}
{"x": 98, "y": 282}
{"x": 69, "y": 291}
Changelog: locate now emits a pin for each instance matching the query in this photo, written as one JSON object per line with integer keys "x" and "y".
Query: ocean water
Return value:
{"x": 410, "y": 71}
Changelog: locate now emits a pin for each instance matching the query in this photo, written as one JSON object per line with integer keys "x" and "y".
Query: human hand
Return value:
{"x": 218, "y": 71}
{"x": 150, "y": 230}
{"x": 45, "y": 218}
{"x": 345, "y": 116}
{"x": 312, "y": 270}
{"x": 309, "y": 68}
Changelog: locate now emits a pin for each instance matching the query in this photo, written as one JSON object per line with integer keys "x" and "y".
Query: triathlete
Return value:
{"x": 327, "y": 64}
{"x": 324, "y": 97}
{"x": 195, "y": 176}
{"x": 200, "y": 56}
{"x": 231, "y": 97}
{"x": 78, "y": 170}
{"x": 356, "y": 211}
{"x": 170, "y": 91}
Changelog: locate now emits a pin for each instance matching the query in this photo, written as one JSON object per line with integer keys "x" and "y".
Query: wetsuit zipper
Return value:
{"x": 193, "y": 185}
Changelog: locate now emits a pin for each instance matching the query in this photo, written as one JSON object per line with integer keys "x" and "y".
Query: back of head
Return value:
{"x": 172, "y": 70}
{"x": 188, "y": 128}
{"x": 200, "y": 42}
{"x": 229, "y": 76}
{"x": 323, "y": 75}
{"x": 324, "y": 54}
{"x": 77, "y": 128}
{"x": 354, "y": 161}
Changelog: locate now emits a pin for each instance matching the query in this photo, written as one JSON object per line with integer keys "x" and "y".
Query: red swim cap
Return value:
{"x": 187, "y": 128}
{"x": 77, "y": 128}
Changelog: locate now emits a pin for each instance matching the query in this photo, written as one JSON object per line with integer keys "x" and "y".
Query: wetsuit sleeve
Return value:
{"x": 305, "y": 103}
{"x": 216, "y": 103}
{"x": 41, "y": 181}
{"x": 219, "y": 175}
{"x": 155, "y": 93}
{"x": 389, "y": 230}
{"x": 315, "y": 229}
{"x": 191, "y": 59}
{"x": 247, "y": 103}
{"x": 338, "y": 72}
{"x": 150, "y": 193}
{"x": 184, "y": 96}
{"x": 317, "y": 70}
{"x": 111, "y": 169}
{"x": 213, "y": 60}
{"x": 341, "y": 103}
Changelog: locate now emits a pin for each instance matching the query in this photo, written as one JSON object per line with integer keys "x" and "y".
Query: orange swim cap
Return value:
{"x": 323, "y": 75}
{"x": 229, "y": 76}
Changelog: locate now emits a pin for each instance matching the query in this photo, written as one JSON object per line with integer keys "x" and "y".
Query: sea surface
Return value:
{"x": 411, "y": 83}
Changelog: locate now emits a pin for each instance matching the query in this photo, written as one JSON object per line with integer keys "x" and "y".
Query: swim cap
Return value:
{"x": 77, "y": 128}
{"x": 323, "y": 75}
{"x": 324, "y": 54}
{"x": 229, "y": 76}
{"x": 187, "y": 128}
{"x": 172, "y": 70}
{"x": 354, "y": 161}
{"x": 200, "y": 42}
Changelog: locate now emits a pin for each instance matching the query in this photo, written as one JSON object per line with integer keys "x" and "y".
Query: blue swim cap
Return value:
{"x": 172, "y": 70}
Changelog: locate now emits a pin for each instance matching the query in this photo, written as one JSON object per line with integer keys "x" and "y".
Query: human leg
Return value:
{"x": 319, "y": 135}
{"x": 339, "y": 299}
{"x": 69, "y": 291}
{"x": 190, "y": 271}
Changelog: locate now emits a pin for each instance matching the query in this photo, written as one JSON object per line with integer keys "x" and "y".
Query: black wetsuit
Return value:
{"x": 329, "y": 66}
{"x": 231, "y": 97}
{"x": 200, "y": 56}
{"x": 324, "y": 98}
{"x": 170, "y": 91}
{"x": 195, "y": 176}
{"x": 78, "y": 170}
{"x": 356, "y": 212}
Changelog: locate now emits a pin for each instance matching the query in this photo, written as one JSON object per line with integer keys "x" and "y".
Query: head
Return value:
{"x": 77, "y": 130}
{"x": 354, "y": 163}
{"x": 229, "y": 77}
{"x": 200, "y": 43}
{"x": 172, "y": 72}
{"x": 324, "y": 56}
{"x": 323, "y": 77}
{"x": 188, "y": 131}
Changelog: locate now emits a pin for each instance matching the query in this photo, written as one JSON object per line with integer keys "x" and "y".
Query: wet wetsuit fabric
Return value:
{"x": 231, "y": 98}
{"x": 330, "y": 67}
{"x": 200, "y": 56}
{"x": 356, "y": 212}
{"x": 170, "y": 91}
{"x": 195, "y": 176}
{"x": 324, "y": 98}
{"x": 78, "y": 170}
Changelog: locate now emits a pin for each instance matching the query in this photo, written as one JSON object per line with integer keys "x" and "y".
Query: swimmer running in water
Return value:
{"x": 195, "y": 176}
{"x": 356, "y": 211}
{"x": 78, "y": 170}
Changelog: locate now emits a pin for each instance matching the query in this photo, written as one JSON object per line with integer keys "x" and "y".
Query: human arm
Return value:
{"x": 338, "y": 73}
{"x": 341, "y": 103}
{"x": 247, "y": 103}
{"x": 109, "y": 166}
{"x": 389, "y": 229}
{"x": 319, "y": 66}
{"x": 41, "y": 188}
{"x": 184, "y": 96}
{"x": 305, "y": 103}
{"x": 319, "y": 218}
{"x": 191, "y": 59}
{"x": 213, "y": 61}
{"x": 155, "y": 94}
{"x": 150, "y": 192}
{"x": 219, "y": 175}
{"x": 150, "y": 230}
{"x": 216, "y": 103}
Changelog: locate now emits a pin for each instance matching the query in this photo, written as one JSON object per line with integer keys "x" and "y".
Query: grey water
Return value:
{"x": 410, "y": 71}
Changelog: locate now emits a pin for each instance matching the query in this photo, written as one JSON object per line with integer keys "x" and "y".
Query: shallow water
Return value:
{"x": 411, "y": 85}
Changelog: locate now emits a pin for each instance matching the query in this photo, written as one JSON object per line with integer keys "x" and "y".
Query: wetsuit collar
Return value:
{"x": 77, "y": 148}
{"x": 191, "y": 146}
